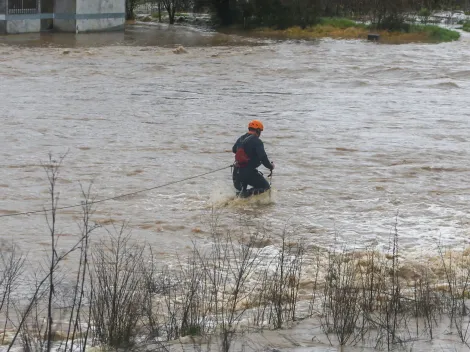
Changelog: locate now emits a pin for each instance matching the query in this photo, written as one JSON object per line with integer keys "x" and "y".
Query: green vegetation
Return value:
{"x": 466, "y": 26}
{"x": 436, "y": 33}
{"x": 424, "y": 12}
{"x": 384, "y": 14}
{"x": 339, "y": 22}
{"x": 192, "y": 330}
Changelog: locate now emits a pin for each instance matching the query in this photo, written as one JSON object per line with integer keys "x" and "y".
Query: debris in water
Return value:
{"x": 180, "y": 50}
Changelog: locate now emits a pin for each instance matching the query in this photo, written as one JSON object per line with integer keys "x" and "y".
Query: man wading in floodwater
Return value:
{"x": 249, "y": 154}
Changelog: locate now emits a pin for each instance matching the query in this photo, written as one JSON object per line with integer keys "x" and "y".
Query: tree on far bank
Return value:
{"x": 383, "y": 14}
{"x": 130, "y": 6}
{"x": 172, "y": 6}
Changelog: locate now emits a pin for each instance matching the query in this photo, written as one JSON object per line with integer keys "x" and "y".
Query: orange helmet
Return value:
{"x": 256, "y": 124}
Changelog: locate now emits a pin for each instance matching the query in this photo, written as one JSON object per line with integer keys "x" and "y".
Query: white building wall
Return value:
{"x": 98, "y": 15}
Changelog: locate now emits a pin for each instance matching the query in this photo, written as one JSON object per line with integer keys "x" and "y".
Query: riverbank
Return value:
{"x": 336, "y": 28}
{"x": 339, "y": 28}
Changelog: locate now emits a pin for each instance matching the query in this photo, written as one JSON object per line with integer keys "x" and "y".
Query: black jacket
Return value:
{"x": 254, "y": 148}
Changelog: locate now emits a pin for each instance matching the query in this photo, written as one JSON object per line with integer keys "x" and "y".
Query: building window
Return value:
{"x": 21, "y": 7}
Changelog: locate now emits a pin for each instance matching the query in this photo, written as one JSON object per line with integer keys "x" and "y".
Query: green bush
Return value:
{"x": 466, "y": 26}
{"x": 394, "y": 23}
{"x": 191, "y": 330}
{"x": 424, "y": 12}
{"x": 437, "y": 33}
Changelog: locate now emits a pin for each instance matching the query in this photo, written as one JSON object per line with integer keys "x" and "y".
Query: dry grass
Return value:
{"x": 360, "y": 32}
{"x": 316, "y": 32}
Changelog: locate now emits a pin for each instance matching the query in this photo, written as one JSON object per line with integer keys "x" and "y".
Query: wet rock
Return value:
{"x": 66, "y": 52}
{"x": 180, "y": 50}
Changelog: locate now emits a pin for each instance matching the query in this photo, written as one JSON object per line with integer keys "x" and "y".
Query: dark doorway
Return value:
{"x": 47, "y": 8}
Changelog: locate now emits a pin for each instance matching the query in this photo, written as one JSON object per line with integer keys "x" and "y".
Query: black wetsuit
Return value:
{"x": 249, "y": 175}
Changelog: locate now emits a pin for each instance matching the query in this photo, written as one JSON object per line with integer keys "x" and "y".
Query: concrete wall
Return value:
{"x": 64, "y": 12}
{"x": 96, "y": 25}
{"x": 23, "y": 26}
{"x": 101, "y": 6}
{"x": 93, "y": 15}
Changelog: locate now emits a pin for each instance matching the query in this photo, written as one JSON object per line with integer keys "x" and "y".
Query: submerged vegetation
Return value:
{"x": 234, "y": 283}
{"x": 466, "y": 26}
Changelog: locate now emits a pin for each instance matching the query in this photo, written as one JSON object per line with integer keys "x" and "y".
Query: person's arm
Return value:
{"x": 263, "y": 156}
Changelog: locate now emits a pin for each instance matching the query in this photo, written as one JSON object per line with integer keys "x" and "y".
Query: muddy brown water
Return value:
{"x": 363, "y": 135}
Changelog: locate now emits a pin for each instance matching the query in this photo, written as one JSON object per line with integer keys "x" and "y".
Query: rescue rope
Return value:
{"x": 116, "y": 197}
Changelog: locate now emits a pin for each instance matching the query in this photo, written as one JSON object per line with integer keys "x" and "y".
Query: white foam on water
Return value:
{"x": 224, "y": 195}
{"x": 221, "y": 193}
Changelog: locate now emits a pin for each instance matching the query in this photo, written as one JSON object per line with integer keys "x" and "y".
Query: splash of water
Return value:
{"x": 224, "y": 196}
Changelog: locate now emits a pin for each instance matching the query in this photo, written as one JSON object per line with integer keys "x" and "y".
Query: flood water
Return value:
{"x": 364, "y": 136}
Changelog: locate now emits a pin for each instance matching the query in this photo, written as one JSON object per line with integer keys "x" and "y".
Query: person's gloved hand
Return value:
{"x": 272, "y": 166}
